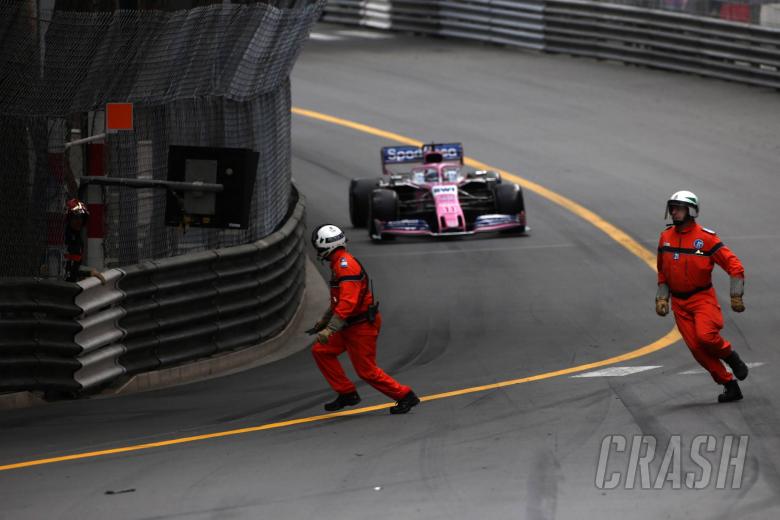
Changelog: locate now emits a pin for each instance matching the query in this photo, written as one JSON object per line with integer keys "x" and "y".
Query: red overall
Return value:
{"x": 350, "y": 298}
{"x": 685, "y": 261}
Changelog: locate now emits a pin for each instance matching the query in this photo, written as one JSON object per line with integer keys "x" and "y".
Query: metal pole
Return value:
{"x": 152, "y": 183}
{"x": 96, "y": 137}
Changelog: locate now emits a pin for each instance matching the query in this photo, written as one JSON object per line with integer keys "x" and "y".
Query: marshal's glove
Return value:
{"x": 321, "y": 324}
{"x": 324, "y": 334}
{"x": 737, "y": 305}
{"x": 97, "y": 274}
{"x": 662, "y": 300}
{"x": 335, "y": 324}
{"x": 737, "y": 290}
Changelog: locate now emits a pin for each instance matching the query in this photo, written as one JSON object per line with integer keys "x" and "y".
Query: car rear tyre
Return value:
{"x": 359, "y": 195}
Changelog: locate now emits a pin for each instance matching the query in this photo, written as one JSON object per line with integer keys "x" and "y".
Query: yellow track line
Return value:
{"x": 613, "y": 232}
{"x": 670, "y": 338}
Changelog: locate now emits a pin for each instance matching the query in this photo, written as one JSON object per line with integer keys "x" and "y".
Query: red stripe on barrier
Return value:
{"x": 95, "y": 155}
{"x": 96, "y": 158}
{"x": 735, "y": 12}
{"x": 95, "y": 227}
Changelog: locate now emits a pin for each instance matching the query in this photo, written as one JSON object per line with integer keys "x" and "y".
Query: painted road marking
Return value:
{"x": 324, "y": 37}
{"x": 371, "y": 35}
{"x": 699, "y": 371}
{"x": 617, "y": 371}
{"x": 660, "y": 343}
{"x": 613, "y": 232}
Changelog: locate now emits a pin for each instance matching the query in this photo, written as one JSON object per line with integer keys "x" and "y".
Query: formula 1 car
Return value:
{"x": 434, "y": 197}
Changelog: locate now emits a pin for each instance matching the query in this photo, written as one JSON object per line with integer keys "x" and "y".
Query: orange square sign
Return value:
{"x": 119, "y": 116}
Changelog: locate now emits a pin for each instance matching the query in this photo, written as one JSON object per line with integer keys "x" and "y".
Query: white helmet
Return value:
{"x": 684, "y": 198}
{"x": 326, "y": 239}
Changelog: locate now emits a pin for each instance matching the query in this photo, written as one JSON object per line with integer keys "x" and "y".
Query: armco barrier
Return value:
{"x": 654, "y": 38}
{"x": 37, "y": 330}
{"x": 179, "y": 309}
{"x": 101, "y": 310}
{"x": 58, "y": 336}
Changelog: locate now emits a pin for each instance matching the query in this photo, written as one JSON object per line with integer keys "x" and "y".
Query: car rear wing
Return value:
{"x": 450, "y": 152}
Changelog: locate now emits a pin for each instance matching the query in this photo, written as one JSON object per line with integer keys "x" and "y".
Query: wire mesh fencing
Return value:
{"x": 215, "y": 75}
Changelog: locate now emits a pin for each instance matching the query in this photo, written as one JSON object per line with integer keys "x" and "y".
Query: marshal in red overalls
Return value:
{"x": 351, "y": 325}
{"x": 687, "y": 253}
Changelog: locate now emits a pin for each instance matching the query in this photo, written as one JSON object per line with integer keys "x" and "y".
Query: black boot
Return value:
{"x": 350, "y": 399}
{"x": 738, "y": 367}
{"x": 732, "y": 392}
{"x": 405, "y": 403}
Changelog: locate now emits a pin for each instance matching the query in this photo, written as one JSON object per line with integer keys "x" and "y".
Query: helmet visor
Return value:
{"x": 678, "y": 204}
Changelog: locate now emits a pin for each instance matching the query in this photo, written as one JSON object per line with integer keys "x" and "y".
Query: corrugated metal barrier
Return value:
{"x": 38, "y": 324}
{"x": 668, "y": 40}
{"x": 58, "y": 336}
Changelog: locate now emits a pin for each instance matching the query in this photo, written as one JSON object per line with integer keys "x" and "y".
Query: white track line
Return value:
{"x": 324, "y": 37}
{"x": 698, "y": 371}
{"x": 371, "y": 35}
{"x": 616, "y": 371}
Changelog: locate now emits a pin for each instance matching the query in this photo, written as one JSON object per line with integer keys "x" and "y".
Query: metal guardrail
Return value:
{"x": 667, "y": 40}
{"x": 101, "y": 306}
{"x": 37, "y": 329}
{"x": 63, "y": 337}
{"x": 191, "y": 307}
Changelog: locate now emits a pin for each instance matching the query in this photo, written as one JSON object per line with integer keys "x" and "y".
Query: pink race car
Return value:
{"x": 435, "y": 197}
